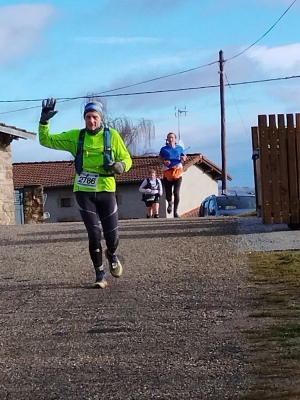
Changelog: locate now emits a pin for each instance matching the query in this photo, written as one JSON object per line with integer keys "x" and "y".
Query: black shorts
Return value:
{"x": 151, "y": 202}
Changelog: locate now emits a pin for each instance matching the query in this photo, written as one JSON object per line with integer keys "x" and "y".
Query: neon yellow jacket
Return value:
{"x": 93, "y": 153}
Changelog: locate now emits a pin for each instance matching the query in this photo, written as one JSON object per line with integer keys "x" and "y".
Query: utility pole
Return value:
{"x": 223, "y": 126}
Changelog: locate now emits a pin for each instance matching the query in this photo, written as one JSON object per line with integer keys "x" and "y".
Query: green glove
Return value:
{"x": 47, "y": 111}
{"x": 118, "y": 167}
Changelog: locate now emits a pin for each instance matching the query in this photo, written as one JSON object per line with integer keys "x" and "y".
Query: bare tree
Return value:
{"x": 136, "y": 135}
{"x": 146, "y": 152}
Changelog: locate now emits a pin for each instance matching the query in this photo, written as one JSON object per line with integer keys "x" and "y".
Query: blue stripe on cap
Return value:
{"x": 93, "y": 107}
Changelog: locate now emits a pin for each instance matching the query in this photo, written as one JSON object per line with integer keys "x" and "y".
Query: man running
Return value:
{"x": 94, "y": 183}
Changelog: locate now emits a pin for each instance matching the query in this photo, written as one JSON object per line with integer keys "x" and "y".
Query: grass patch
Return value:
{"x": 276, "y": 267}
{"x": 274, "y": 355}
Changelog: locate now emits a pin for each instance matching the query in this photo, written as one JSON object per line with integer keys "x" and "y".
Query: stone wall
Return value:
{"x": 7, "y": 198}
{"x": 33, "y": 204}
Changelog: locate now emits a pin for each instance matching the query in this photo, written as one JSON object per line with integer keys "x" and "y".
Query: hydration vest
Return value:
{"x": 148, "y": 186}
{"x": 107, "y": 151}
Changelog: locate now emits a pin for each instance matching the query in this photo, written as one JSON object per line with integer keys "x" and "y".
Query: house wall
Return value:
{"x": 196, "y": 186}
{"x": 55, "y": 199}
{"x": 129, "y": 202}
{"x": 130, "y": 205}
{"x": 7, "y": 198}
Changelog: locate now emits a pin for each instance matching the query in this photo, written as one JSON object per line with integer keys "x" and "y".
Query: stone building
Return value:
{"x": 7, "y": 197}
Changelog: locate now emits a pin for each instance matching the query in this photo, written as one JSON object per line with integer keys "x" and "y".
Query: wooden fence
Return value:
{"x": 276, "y": 154}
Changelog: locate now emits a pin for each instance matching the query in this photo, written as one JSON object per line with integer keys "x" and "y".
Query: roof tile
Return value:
{"x": 61, "y": 173}
{"x": 192, "y": 213}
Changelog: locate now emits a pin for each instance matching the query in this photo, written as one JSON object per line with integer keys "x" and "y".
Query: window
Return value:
{"x": 236, "y": 202}
{"x": 65, "y": 202}
{"x": 211, "y": 207}
{"x": 205, "y": 208}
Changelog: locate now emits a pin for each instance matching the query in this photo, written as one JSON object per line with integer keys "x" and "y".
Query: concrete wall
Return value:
{"x": 54, "y": 205}
{"x": 130, "y": 204}
{"x": 196, "y": 185}
{"x": 7, "y": 206}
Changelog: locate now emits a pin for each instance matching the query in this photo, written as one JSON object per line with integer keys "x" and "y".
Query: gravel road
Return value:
{"x": 254, "y": 235}
{"x": 170, "y": 328}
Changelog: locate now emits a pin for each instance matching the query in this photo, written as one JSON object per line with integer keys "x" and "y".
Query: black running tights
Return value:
{"x": 96, "y": 208}
{"x": 173, "y": 186}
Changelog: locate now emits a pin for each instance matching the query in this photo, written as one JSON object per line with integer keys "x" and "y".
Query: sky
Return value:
{"x": 68, "y": 49}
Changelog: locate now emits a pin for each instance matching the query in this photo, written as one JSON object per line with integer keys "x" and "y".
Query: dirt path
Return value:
{"x": 170, "y": 328}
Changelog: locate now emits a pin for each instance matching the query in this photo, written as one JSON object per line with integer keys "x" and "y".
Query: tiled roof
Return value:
{"x": 140, "y": 168}
{"x": 50, "y": 173}
{"x": 61, "y": 173}
{"x": 191, "y": 213}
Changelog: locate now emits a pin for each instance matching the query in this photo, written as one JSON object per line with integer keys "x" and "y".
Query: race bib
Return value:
{"x": 88, "y": 179}
{"x": 150, "y": 197}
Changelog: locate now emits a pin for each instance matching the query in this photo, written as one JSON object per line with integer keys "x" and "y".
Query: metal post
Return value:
{"x": 177, "y": 114}
{"x": 179, "y": 124}
{"x": 223, "y": 126}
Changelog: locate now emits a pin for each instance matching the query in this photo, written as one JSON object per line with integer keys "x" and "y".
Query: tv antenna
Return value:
{"x": 178, "y": 112}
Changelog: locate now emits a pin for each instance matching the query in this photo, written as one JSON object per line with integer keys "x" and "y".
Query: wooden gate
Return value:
{"x": 276, "y": 155}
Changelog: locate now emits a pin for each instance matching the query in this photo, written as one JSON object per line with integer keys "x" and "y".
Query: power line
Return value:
{"x": 265, "y": 34}
{"x": 201, "y": 66}
{"x": 102, "y": 94}
{"x": 265, "y": 80}
{"x": 62, "y": 99}
{"x": 113, "y": 90}
{"x": 158, "y": 78}
{"x": 236, "y": 106}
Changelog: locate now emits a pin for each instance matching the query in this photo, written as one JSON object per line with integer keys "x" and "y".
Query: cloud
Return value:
{"x": 179, "y": 60}
{"x": 255, "y": 64}
{"x": 276, "y": 59}
{"x": 167, "y": 64}
{"x": 117, "y": 40}
{"x": 21, "y": 27}
{"x": 129, "y": 7}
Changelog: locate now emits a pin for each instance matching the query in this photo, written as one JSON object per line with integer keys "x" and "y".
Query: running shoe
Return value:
{"x": 100, "y": 282}
{"x": 169, "y": 209}
{"x": 115, "y": 266}
{"x": 176, "y": 214}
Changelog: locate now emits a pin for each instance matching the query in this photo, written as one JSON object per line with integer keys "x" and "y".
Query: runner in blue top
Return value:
{"x": 172, "y": 157}
{"x": 172, "y": 154}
